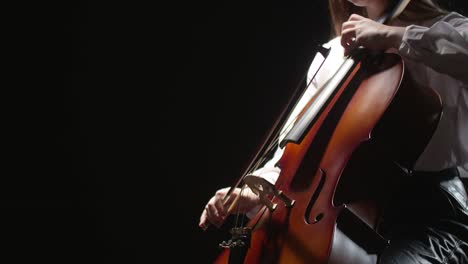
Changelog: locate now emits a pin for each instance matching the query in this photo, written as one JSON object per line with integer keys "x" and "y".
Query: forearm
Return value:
{"x": 442, "y": 46}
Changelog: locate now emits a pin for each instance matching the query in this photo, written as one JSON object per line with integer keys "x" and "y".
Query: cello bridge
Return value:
{"x": 265, "y": 189}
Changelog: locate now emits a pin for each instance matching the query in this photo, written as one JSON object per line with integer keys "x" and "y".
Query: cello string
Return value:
{"x": 238, "y": 207}
{"x": 259, "y": 161}
{"x": 287, "y": 126}
{"x": 289, "y": 122}
{"x": 280, "y": 121}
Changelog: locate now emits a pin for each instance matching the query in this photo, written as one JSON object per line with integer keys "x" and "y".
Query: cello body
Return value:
{"x": 331, "y": 173}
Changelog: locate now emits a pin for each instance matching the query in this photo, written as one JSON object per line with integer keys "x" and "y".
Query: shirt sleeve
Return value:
{"x": 270, "y": 171}
{"x": 442, "y": 46}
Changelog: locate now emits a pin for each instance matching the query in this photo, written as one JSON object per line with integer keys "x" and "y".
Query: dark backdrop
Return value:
{"x": 121, "y": 120}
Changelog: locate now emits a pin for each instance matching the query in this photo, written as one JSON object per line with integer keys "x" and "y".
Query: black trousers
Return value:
{"x": 428, "y": 220}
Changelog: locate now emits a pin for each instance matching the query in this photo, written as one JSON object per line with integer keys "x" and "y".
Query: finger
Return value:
{"x": 212, "y": 211}
{"x": 203, "y": 219}
{"x": 355, "y": 17}
{"x": 220, "y": 207}
{"x": 348, "y": 25}
{"x": 348, "y": 38}
{"x": 240, "y": 200}
{"x": 224, "y": 203}
{"x": 349, "y": 42}
{"x": 213, "y": 215}
{"x": 348, "y": 32}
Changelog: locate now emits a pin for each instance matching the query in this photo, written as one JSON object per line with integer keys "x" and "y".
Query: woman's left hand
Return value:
{"x": 361, "y": 31}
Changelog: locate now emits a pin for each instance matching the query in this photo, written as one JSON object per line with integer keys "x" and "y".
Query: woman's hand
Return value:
{"x": 361, "y": 31}
{"x": 216, "y": 212}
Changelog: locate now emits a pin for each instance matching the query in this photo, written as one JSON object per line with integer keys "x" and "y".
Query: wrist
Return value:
{"x": 395, "y": 36}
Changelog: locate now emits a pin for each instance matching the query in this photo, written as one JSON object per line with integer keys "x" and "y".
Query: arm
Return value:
{"x": 442, "y": 46}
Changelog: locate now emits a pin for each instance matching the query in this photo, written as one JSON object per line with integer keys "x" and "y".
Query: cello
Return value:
{"x": 321, "y": 209}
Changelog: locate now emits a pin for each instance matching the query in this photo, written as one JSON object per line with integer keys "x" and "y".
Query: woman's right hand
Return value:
{"x": 215, "y": 212}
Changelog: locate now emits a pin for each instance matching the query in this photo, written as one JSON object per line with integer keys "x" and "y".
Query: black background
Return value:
{"x": 120, "y": 120}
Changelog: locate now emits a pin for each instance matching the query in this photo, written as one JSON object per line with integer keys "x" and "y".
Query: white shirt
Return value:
{"x": 437, "y": 53}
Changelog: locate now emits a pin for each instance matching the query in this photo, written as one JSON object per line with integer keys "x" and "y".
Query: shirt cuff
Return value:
{"x": 412, "y": 33}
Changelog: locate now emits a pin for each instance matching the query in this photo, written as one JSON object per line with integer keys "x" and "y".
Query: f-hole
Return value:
{"x": 314, "y": 198}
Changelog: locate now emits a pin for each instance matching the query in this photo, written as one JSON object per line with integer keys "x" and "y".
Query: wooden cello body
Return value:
{"x": 327, "y": 170}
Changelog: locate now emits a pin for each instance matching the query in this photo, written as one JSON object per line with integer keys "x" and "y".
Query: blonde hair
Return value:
{"x": 417, "y": 10}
